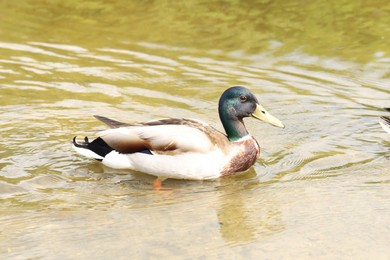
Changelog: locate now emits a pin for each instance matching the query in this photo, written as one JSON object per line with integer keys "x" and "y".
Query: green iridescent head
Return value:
{"x": 237, "y": 103}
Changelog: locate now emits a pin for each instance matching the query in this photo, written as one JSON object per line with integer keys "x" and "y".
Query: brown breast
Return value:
{"x": 243, "y": 158}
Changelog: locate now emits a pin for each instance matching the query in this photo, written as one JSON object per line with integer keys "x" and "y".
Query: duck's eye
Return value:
{"x": 243, "y": 98}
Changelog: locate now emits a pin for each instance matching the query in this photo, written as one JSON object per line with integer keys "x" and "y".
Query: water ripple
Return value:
{"x": 321, "y": 104}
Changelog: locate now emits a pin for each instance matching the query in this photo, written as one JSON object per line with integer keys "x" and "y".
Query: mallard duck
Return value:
{"x": 183, "y": 148}
{"x": 384, "y": 121}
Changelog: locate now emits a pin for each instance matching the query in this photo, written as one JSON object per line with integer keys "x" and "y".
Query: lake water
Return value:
{"x": 321, "y": 188}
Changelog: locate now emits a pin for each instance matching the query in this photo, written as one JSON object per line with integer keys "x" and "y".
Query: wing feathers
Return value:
{"x": 123, "y": 140}
{"x": 111, "y": 122}
{"x": 161, "y": 139}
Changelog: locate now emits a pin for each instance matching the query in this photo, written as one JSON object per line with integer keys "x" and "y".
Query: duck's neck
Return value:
{"x": 234, "y": 127}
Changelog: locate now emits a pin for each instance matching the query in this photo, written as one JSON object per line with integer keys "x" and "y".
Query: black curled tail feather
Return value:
{"x": 80, "y": 145}
{"x": 98, "y": 146}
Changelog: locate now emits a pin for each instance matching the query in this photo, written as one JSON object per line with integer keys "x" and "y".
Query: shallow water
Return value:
{"x": 320, "y": 188}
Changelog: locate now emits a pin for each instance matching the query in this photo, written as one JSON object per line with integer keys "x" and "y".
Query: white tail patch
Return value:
{"x": 117, "y": 160}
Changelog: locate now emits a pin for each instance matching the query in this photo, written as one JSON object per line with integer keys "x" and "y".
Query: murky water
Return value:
{"x": 320, "y": 189}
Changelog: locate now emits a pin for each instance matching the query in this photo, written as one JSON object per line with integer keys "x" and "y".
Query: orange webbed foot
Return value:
{"x": 157, "y": 183}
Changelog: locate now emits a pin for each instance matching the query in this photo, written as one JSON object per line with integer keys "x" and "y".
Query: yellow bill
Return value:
{"x": 262, "y": 114}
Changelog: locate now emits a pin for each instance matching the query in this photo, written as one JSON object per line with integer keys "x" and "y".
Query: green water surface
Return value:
{"x": 320, "y": 189}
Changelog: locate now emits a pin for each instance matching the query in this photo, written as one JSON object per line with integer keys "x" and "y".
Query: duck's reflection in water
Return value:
{"x": 244, "y": 213}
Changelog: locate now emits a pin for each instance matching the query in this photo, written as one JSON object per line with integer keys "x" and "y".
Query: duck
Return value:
{"x": 180, "y": 148}
{"x": 384, "y": 121}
